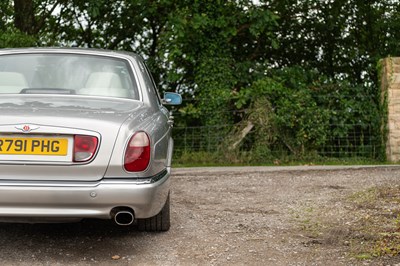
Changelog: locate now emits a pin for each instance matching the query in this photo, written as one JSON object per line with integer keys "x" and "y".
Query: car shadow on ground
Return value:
{"x": 86, "y": 241}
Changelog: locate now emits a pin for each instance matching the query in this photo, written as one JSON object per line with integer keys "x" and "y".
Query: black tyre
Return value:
{"x": 157, "y": 223}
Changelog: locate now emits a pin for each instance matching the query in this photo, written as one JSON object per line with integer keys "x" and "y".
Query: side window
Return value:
{"x": 154, "y": 87}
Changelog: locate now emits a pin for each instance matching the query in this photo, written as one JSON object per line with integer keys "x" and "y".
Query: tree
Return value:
{"x": 213, "y": 50}
{"x": 342, "y": 39}
{"x": 217, "y": 52}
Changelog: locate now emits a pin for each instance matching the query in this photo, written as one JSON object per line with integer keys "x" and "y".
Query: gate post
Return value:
{"x": 390, "y": 90}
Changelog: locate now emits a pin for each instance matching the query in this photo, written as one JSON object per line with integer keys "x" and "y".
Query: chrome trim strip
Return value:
{"x": 105, "y": 181}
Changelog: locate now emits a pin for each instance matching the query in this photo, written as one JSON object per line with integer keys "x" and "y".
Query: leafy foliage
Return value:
{"x": 298, "y": 122}
{"x": 15, "y": 38}
{"x": 303, "y": 72}
{"x": 304, "y": 111}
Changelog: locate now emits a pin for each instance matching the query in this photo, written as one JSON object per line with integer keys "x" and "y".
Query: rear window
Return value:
{"x": 67, "y": 74}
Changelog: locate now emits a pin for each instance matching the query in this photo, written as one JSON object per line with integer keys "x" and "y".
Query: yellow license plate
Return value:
{"x": 34, "y": 146}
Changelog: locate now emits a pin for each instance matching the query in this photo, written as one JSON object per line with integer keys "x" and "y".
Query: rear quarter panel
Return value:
{"x": 154, "y": 121}
{"x": 155, "y": 125}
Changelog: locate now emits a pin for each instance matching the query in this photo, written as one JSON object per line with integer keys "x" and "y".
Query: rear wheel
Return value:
{"x": 159, "y": 222}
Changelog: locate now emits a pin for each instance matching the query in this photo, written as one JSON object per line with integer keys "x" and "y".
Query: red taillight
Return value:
{"x": 137, "y": 154}
{"x": 84, "y": 147}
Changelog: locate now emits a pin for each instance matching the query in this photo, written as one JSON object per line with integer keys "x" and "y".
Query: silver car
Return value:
{"x": 83, "y": 134}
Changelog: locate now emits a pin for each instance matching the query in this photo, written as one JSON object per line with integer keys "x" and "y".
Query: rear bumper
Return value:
{"x": 67, "y": 201}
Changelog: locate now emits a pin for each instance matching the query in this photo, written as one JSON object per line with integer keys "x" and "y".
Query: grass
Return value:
{"x": 208, "y": 159}
{"x": 375, "y": 223}
{"x": 368, "y": 226}
{"x": 382, "y": 205}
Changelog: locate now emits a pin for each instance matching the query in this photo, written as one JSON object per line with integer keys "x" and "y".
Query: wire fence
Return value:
{"x": 360, "y": 141}
{"x": 341, "y": 122}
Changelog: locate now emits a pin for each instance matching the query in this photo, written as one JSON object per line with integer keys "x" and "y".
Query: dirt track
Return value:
{"x": 222, "y": 216}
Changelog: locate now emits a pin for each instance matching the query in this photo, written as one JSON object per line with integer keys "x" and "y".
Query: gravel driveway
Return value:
{"x": 220, "y": 216}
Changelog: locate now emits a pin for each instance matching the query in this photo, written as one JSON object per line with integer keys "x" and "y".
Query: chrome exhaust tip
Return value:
{"x": 124, "y": 217}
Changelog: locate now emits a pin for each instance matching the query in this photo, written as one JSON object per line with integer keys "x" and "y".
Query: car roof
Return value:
{"x": 60, "y": 50}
